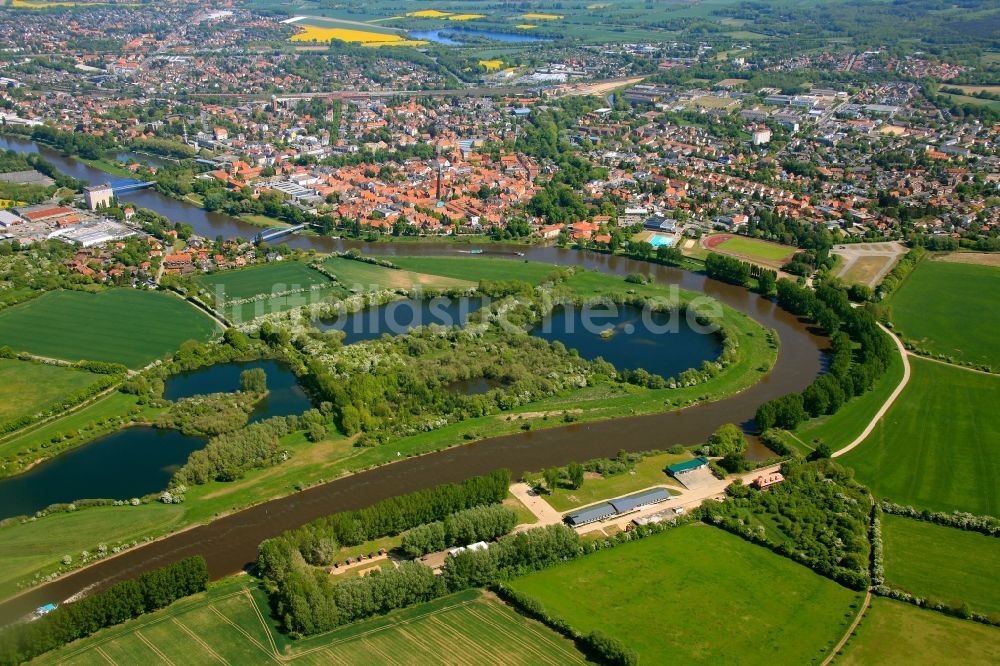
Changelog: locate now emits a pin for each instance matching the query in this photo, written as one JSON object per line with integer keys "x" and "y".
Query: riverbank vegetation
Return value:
{"x": 122, "y": 601}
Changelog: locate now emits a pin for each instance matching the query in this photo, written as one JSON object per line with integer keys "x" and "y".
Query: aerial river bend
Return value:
{"x": 230, "y": 543}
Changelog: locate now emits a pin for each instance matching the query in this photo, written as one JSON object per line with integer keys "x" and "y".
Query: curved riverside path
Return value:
{"x": 888, "y": 403}
{"x": 229, "y": 543}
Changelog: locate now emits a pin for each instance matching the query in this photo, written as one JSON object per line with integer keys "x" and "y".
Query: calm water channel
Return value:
{"x": 137, "y": 461}
{"x": 230, "y": 543}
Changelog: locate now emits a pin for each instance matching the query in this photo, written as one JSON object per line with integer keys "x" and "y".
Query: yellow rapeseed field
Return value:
{"x": 466, "y": 17}
{"x": 491, "y": 65}
{"x": 10, "y": 203}
{"x": 525, "y": 26}
{"x": 429, "y": 13}
{"x": 24, "y": 4}
{"x": 312, "y": 33}
{"x": 543, "y": 17}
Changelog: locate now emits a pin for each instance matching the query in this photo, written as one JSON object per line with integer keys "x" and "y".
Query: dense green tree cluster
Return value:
{"x": 302, "y": 595}
{"x": 818, "y": 516}
{"x": 412, "y": 390}
{"x": 480, "y": 523}
{"x": 211, "y": 414}
{"x": 860, "y": 352}
{"x": 120, "y": 602}
{"x": 727, "y": 269}
{"x": 231, "y": 455}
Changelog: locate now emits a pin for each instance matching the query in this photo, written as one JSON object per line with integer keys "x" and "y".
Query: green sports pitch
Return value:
{"x": 126, "y": 326}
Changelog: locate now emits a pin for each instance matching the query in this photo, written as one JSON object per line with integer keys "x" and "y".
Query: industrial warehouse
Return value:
{"x": 617, "y": 507}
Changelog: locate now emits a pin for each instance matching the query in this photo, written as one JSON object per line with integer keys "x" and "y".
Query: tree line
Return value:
{"x": 480, "y": 523}
{"x": 860, "y": 354}
{"x": 120, "y": 602}
{"x": 302, "y": 595}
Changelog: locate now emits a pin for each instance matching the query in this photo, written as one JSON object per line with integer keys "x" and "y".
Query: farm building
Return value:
{"x": 618, "y": 507}
{"x": 687, "y": 466}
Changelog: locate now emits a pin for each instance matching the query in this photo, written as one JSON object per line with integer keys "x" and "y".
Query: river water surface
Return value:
{"x": 230, "y": 543}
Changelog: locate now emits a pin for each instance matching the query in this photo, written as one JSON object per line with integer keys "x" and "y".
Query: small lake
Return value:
{"x": 285, "y": 396}
{"x": 452, "y": 36}
{"x": 399, "y": 317}
{"x": 129, "y": 463}
{"x": 662, "y": 343}
{"x": 475, "y": 385}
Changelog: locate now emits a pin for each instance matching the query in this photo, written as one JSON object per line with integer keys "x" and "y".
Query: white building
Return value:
{"x": 761, "y": 135}
{"x": 98, "y": 196}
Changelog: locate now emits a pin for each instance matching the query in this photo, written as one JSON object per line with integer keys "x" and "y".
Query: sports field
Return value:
{"x": 475, "y": 268}
{"x": 698, "y": 594}
{"x": 229, "y": 625}
{"x": 951, "y": 309}
{"x": 750, "y": 248}
{"x": 945, "y": 563}
{"x": 935, "y": 449}
{"x": 241, "y": 295}
{"x": 118, "y": 325}
{"x": 894, "y": 633}
{"x": 26, "y": 388}
{"x": 357, "y": 274}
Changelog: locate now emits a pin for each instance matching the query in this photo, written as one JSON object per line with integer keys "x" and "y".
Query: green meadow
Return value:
{"x": 126, "y": 326}
{"x": 936, "y": 448}
{"x": 698, "y": 594}
{"x": 951, "y": 309}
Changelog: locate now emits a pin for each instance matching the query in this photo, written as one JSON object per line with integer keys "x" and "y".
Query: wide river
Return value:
{"x": 229, "y": 543}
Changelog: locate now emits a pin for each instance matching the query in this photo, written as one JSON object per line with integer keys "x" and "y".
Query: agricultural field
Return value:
{"x": 229, "y": 624}
{"x": 474, "y": 269}
{"x": 242, "y": 294}
{"x": 118, "y": 325}
{"x": 894, "y": 633}
{"x": 647, "y": 473}
{"x": 934, "y": 449}
{"x": 26, "y": 388}
{"x": 933, "y": 309}
{"x": 750, "y": 249}
{"x": 357, "y": 274}
{"x": 740, "y": 599}
{"x": 944, "y": 563}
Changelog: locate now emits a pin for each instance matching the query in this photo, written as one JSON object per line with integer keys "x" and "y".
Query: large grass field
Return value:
{"x": 25, "y": 550}
{"x": 270, "y": 278}
{"x": 951, "y": 309}
{"x": 229, "y": 625}
{"x": 476, "y": 268}
{"x": 949, "y": 564}
{"x": 647, "y": 473}
{"x": 756, "y": 249}
{"x": 838, "y": 430}
{"x": 119, "y": 325}
{"x": 698, "y": 594}
{"x": 227, "y": 288}
{"x": 893, "y": 633}
{"x": 27, "y": 387}
{"x": 937, "y": 447}
{"x": 363, "y": 277}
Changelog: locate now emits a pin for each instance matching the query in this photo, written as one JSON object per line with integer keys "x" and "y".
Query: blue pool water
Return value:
{"x": 659, "y": 241}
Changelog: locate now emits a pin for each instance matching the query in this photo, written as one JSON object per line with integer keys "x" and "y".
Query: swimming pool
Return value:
{"x": 659, "y": 241}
